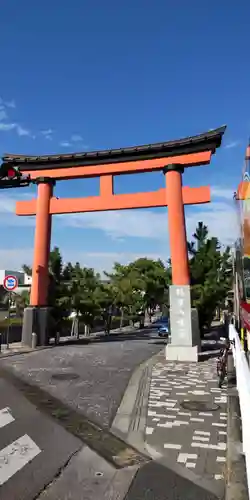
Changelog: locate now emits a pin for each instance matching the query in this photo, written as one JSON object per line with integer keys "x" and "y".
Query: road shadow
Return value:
{"x": 211, "y": 343}
{"x": 112, "y": 337}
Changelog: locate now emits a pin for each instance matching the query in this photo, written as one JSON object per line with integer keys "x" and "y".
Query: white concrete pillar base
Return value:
{"x": 182, "y": 353}
{"x": 185, "y": 334}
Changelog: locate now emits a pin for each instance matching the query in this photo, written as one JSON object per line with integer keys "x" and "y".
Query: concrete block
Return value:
{"x": 182, "y": 353}
{"x": 35, "y": 320}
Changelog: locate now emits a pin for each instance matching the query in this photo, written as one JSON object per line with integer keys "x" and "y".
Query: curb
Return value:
{"x": 236, "y": 478}
{"x": 130, "y": 420}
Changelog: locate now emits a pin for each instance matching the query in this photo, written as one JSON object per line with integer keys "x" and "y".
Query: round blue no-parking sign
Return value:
{"x": 10, "y": 283}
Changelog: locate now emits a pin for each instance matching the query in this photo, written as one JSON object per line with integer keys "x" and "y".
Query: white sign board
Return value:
{"x": 180, "y": 315}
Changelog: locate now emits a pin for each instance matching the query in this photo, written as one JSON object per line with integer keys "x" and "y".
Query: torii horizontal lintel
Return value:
{"x": 128, "y": 167}
{"x": 108, "y": 201}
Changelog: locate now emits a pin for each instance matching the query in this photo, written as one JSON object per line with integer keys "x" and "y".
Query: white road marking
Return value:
{"x": 200, "y": 438}
{"x": 173, "y": 446}
{"x": 217, "y": 424}
{"x": 5, "y": 417}
{"x": 203, "y": 433}
{"x": 219, "y": 446}
{"x": 15, "y": 456}
{"x": 183, "y": 457}
{"x": 149, "y": 430}
{"x": 218, "y": 477}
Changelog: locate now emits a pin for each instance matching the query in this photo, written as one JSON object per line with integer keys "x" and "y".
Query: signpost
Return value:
{"x": 10, "y": 283}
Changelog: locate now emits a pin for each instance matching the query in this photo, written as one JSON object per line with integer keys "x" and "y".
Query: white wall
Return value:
{"x": 27, "y": 279}
{"x": 23, "y": 278}
{"x": 2, "y": 275}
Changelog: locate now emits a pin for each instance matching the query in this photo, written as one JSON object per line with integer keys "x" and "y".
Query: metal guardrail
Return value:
{"x": 243, "y": 388}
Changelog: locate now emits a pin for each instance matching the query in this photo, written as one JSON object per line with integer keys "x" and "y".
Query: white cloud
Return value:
{"x": 21, "y": 131}
{"x": 221, "y": 219}
{"x": 104, "y": 261}
{"x": 65, "y": 144}
{"x": 6, "y": 127}
{"x": 10, "y": 104}
{"x": 118, "y": 224}
{"x": 220, "y": 216}
{"x": 11, "y": 126}
{"x": 232, "y": 144}
{"x": 14, "y": 259}
{"x": 101, "y": 261}
{"x": 47, "y": 134}
{"x": 3, "y": 114}
{"x": 75, "y": 141}
{"x": 76, "y": 138}
{"x": 8, "y": 218}
{"x": 48, "y": 131}
{"x": 220, "y": 192}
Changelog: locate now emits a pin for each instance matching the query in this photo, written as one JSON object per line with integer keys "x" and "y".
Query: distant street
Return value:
{"x": 91, "y": 378}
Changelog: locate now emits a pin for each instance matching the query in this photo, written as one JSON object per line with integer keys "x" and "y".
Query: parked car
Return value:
{"x": 162, "y": 325}
{"x": 163, "y": 330}
{"x": 164, "y": 320}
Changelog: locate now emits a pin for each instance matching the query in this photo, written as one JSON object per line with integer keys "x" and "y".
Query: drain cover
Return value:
{"x": 65, "y": 376}
{"x": 199, "y": 405}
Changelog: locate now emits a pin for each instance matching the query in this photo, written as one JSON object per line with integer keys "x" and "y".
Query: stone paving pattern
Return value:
{"x": 194, "y": 439}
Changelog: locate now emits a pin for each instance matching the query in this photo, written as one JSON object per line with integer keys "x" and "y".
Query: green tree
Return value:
{"x": 154, "y": 278}
{"x": 82, "y": 290}
{"x": 126, "y": 290}
{"x": 21, "y": 301}
{"x": 211, "y": 274}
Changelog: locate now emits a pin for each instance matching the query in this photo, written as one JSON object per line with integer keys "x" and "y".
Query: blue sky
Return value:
{"x": 88, "y": 74}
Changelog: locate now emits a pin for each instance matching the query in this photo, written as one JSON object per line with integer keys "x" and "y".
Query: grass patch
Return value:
{"x": 102, "y": 441}
{"x": 13, "y": 321}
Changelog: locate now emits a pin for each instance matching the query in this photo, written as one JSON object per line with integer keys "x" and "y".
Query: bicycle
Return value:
{"x": 222, "y": 363}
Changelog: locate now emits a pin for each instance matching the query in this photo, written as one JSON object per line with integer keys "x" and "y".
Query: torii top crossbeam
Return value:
{"x": 116, "y": 161}
{"x": 188, "y": 152}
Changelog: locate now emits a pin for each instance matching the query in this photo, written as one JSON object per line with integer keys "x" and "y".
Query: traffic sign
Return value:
{"x": 10, "y": 283}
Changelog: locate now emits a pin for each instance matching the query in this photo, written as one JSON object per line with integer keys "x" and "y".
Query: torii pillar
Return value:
{"x": 185, "y": 334}
{"x": 36, "y": 316}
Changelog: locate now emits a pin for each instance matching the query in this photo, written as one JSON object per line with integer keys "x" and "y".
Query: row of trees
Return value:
{"x": 130, "y": 291}
{"x": 140, "y": 287}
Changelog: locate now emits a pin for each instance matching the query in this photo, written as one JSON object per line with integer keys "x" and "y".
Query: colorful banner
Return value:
{"x": 244, "y": 213}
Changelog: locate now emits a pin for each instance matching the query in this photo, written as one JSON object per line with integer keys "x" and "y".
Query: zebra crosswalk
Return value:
{"x": 17, "y": 454}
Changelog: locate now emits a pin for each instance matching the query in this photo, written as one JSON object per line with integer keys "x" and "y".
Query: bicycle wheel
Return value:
{"x": 221, "y": 378}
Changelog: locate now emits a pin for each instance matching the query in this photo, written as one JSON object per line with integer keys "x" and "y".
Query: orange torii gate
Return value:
{"x": 170, "y": 157}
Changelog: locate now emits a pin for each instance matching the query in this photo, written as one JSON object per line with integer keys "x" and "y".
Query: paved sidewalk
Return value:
{"x": 187, "y": 417}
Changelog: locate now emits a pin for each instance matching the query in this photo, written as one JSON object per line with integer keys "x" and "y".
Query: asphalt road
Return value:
{"x": 96, "y": 375}
{"x": 33, "y": 448}
{"x": 156, "y": 482}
